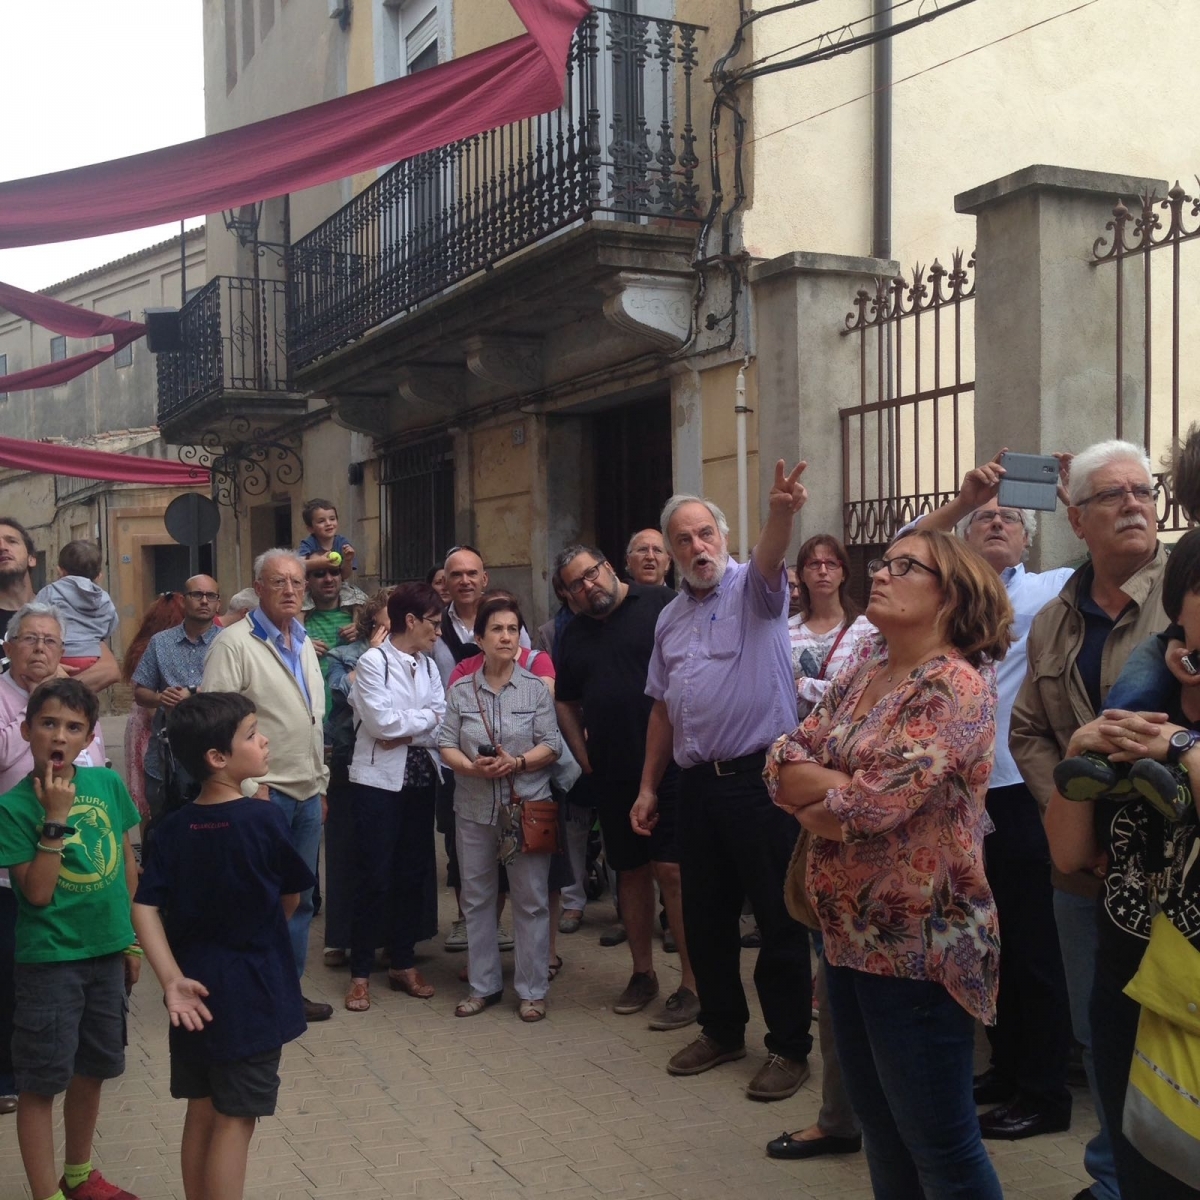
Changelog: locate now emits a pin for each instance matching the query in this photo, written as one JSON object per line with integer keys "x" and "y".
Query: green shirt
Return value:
{"x": 89, "y": 914}
{"x": 324, "y": 625}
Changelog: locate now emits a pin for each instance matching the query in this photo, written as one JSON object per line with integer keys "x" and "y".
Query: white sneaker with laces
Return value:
{"x": 458, "y": 935}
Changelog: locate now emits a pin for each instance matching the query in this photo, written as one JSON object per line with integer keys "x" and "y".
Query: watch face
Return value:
{"x": 1184, "y": 739}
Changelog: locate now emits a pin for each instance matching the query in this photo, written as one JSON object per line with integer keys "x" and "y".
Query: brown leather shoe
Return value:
{"x": 410, "y": 981}
{"x": 778, "y": 1078}
{"x": 702, "y": 1055}
{"x": 315, "y": 1010}
{"x": 639, "y": 991}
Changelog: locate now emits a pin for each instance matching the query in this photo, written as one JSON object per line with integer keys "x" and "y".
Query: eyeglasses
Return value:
{"x": 325, "y": 572}
{"x": 285, "y": 584}
{"x": 40, "y": 639}
{"x": 589, "y": 576}
{"x": 210, "y": 596}
{"x": 822, "y": 564}
{"x": 1112, "y": 496}
{"x": 436, "y": 622}
{"x": 900, "y": 565}
{"x": 1009, "y": 516}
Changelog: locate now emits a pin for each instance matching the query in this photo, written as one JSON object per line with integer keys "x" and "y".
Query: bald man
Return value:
{"x": 646, "y": 559}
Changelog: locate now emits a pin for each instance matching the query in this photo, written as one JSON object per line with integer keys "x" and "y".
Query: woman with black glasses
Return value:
{"x": 889, "y": 773}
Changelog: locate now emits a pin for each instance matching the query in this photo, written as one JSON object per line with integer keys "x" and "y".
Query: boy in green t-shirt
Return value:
{"x": 64, "y": 836}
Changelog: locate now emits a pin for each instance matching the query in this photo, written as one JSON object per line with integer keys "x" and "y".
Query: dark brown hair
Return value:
{"x": 364, "y": 623}
{"x": 81, "y": 558}
{"x": 416, "y": 599}
{"x": 850, "y": 608}
{"x": 493, "y": 603}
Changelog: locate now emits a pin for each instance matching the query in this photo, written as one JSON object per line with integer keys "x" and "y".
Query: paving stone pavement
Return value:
{"x": 407, "y": 1100}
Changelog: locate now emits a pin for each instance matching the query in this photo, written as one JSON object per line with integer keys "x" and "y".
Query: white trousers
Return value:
{"x": 528, "y": 901}
{"x": 579, "y": 825}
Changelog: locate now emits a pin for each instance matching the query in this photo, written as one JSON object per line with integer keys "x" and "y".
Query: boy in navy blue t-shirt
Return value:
{"x": 211, "y": 914}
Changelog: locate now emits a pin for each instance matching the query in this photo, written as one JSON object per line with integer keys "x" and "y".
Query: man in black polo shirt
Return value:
{"x": 601, "y": 663}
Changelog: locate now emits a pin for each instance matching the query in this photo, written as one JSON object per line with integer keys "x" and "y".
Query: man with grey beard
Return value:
{"x": 601, "y": 662}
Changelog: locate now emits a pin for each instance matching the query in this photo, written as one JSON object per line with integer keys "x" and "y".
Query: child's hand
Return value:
{"x": 347, "y": 552}
{"x": 348, "y": 633}
{"x": 185, "y": 1004}
{"x": 55, "y": 794}
{"x": 133, "y": 971}
{"x": 322, "y": 648}
{"x": 1177, "y": 651}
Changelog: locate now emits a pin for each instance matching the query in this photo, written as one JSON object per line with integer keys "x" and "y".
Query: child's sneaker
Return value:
{"x": 1166, "y": 788}
{"x": 1086, "y": 776}
{"x": 95, "y": 1187}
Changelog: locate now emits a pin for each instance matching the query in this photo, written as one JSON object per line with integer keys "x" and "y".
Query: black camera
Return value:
{"x": 487, "y": 751}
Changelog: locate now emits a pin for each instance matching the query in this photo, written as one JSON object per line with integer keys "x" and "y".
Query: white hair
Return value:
{"x": 35, "y": 608}
{"x": 677, "y": 501}
{"x": 267, "y": 556}
{"x": 1087, "y": 462}
{"x": 244, "y": 601}
{"x": 1028, "y": 519}
{"x": 634, "y": 537}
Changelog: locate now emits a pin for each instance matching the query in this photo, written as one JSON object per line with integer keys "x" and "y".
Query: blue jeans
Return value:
{"x": 1145, "y": 683}
{"x": 907, "y": 1051}
{"x": 1075, "y": 917}
{"x": 304, "y": 821}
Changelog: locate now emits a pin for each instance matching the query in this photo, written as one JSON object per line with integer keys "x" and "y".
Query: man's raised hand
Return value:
{"x": 788, "y": 494}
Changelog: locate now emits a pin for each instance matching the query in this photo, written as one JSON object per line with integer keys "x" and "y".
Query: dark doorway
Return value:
{"x": 171, "y": 566}
{"x": 632, "y": 447}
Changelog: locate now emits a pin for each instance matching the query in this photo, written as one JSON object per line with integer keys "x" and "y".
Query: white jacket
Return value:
{"x": 394, "y": 695}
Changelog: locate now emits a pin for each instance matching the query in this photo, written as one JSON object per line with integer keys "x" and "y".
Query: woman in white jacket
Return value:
{"x": 398, "y": 704}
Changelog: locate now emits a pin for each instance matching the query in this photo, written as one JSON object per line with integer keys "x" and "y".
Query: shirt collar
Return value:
{"x": 1012, "y": 575}
{"x": 203, "y": 640}
{"x": 268, "y": 629}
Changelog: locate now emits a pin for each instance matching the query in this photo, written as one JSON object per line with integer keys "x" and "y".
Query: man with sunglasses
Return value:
{"x": 329, "y": 611}
{"x": 1027, "y": 1078}
{"x": 171, "y": 670}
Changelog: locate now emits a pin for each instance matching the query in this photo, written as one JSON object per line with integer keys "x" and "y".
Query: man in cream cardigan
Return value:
{"x": 269, "y": 658}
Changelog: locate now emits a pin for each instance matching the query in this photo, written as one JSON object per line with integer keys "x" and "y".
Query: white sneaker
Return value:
{"x": 504, "y": 937}
{"x": 458, "y": 936}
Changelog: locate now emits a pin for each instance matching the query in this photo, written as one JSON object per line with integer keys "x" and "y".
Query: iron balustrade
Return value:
{"x": 233, "y": 334}
{"x": 623, "y": 144}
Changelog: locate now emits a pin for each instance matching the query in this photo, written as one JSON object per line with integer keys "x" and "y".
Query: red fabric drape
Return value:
{"x": 53, "y": 458}
{"x": 516, "y": 79}
{"x": 67, "y": 319}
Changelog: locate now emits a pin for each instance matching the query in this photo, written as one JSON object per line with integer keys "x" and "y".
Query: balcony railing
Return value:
{"x": 623, "y": 143}
{"x": 233, "y": 333}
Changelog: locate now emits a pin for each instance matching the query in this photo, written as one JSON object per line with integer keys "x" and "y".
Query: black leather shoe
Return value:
{"x": 1021, "y": 1119}
{"x": 990, "y": 1088}
{"x": 314, "y": 1010}
{"x": 786, "y": 1146}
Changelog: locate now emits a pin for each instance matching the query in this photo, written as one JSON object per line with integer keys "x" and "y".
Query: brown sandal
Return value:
{"x": 410, "y": 981}
{"x": 358, "y": 998}
{"x": 532, "y": 1010}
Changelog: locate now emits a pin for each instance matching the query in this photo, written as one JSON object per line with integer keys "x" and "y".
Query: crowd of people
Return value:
{"x": 968, "y": 803}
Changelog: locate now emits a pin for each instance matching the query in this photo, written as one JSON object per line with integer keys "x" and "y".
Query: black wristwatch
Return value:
{"x": 1181, "y": 742}
{"x": 54, "y": 829}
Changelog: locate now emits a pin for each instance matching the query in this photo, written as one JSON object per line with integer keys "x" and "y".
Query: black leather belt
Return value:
{"x": 747, "y": 764}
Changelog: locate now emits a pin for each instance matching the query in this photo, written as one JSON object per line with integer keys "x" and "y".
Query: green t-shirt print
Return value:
{"x": 89, "y": 914}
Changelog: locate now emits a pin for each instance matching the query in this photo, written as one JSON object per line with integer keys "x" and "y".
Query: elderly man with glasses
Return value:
{"x": 1031, "y": 1039}
{"x": 269, "y": 657}
{"x": 171, "y": 669}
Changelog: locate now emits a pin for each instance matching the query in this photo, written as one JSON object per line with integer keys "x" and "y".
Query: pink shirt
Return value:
{"x": 905, "y": 894}
{"x": 543, "y": 665}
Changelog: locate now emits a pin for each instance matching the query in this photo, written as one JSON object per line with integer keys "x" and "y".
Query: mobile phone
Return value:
{"x": 1030, "y": 481}
{"x": 487, "y": 750}
{"x": 1191, "y": 662}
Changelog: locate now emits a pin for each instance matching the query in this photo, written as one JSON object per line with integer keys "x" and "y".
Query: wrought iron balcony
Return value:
{"x": 623, "y": 144}
{"x": 233, "y": 334}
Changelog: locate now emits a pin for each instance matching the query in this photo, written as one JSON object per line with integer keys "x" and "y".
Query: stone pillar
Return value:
{"x": 1045, "y": 322}
{"x": 807, "y": 372}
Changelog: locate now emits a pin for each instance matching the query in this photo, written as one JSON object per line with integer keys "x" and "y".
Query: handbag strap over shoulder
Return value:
{"x": 837, "y": 641}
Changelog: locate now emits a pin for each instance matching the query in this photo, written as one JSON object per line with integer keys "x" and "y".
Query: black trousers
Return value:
{"x": 1031, "y": 1039}
{"x": 734, "y": 843}
{"x": 8, "y": 1000}
{"x": 341, "y": 858}
{"x": 393, "y": 832}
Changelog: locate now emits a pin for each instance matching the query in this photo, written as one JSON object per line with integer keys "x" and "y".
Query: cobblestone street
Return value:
{"x": 405, "y": 1100}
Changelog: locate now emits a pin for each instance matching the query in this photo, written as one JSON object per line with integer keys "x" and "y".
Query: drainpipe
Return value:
{"x": 881, "y": 158}
{"x": 743, "y": 482}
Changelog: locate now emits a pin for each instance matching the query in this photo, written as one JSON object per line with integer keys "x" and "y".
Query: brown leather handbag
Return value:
{"x": 795, "y": 894}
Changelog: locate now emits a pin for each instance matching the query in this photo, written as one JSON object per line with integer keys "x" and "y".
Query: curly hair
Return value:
{"x": 165, "y": 613}
{"x": 364, "y": 623}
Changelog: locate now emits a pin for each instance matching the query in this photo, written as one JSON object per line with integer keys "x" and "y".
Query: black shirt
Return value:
{"x": 602, "y": 665}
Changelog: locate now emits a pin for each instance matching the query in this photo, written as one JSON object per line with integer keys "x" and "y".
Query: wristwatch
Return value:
{"x": 55, "y": 829}
{"x": 1181, "y": 742}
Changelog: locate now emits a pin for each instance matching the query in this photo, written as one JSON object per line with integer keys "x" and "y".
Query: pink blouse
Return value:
{"x": 905, "y": 894}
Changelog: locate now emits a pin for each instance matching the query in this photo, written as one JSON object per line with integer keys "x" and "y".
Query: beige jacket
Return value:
{"x": 1053, "y": 702}
{"x": 242, "y": 660}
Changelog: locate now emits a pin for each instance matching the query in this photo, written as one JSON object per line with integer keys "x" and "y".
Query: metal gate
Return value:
{"x": 416, "y": 485}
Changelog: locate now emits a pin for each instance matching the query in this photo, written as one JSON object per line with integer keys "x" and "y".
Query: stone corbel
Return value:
{"x": 514, "y": 364}
{"x": 363, "y": 414}
{"x": 440, "y": 390}
{"x": 650, "y": 305}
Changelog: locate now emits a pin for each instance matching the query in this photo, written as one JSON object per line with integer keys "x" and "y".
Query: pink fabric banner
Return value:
{"x": 518, "y": 78}
{"x": 54, "y": 458}
{"x": 69, "y": 320}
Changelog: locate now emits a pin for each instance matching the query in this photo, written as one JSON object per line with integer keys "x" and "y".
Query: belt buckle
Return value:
{"x": 717, "y": 768}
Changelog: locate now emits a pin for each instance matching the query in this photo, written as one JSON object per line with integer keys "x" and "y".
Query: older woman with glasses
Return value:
{"x": 889, "y": 773}
{"x": 398, "y": 700}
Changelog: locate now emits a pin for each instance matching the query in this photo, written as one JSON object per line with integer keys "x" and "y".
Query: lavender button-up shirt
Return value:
{"x": 722, "y": 664}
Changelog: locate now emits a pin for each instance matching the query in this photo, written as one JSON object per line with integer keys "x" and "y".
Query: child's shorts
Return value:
{"x": 69, "y": 1020}
{"x": 77, "y": 663}
{"x": 247, "y": 1087}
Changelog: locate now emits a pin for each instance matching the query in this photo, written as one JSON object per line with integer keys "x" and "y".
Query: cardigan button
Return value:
{"x": 1191, "y": 1006}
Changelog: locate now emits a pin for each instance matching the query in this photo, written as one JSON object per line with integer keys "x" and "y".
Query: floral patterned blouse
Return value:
{"x": 905, "y": 894}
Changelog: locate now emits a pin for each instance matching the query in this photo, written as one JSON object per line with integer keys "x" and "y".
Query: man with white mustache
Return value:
{"x": 721, "y": 680}
{"x": 1077, "y": 646}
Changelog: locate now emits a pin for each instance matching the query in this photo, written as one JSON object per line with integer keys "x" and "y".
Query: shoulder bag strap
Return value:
{"x": 837, "y": 641}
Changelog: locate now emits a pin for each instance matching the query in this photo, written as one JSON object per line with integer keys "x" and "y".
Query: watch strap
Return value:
{"x": 1176, "y": 752}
